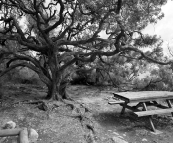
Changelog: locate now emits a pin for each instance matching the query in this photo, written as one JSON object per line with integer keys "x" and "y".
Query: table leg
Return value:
{"x": 137, "y": 106}
{"x": 169, "y": 105}
{"x": 150, "y": 120}
{"x": 155, "y": 102}
{"x": 124, "y": 107}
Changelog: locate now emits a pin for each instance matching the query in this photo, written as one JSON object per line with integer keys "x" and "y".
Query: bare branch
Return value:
{"x": 30, "y": 66}
{"x": 61, "y": 18}
{"x": 131, "y": 48}
{"x": 68, "y": 64}
{"x": 119, "y": 5}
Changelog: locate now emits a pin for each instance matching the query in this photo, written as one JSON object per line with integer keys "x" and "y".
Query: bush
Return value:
{"x": 22, "y": 80}
{"x": 16, "y": 76}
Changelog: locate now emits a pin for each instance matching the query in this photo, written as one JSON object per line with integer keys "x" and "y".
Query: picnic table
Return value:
{"x": 145, "y": 99}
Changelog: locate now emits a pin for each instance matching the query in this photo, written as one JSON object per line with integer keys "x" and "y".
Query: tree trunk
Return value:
{"x": 53, "y": 87}
{"x": 57, "y": 91}
{"x": 53, "y": 92}
{"x": 58, "y": 83}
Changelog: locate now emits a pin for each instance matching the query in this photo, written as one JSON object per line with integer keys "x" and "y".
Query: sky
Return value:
{"x": 164, "y": 27}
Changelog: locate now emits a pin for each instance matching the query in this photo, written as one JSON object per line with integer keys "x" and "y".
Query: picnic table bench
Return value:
{"x": 145, "y": 99}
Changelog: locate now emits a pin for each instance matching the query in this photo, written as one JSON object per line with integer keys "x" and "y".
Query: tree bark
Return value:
{"x": 53, "y": 87}
{"x": 53, "y": 92}
{"x": 57, "y": 90}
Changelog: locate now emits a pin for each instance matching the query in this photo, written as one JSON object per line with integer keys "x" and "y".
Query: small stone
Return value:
{"x": 118, "y": 140}
{"x": 144, "y": 140}
{"x": 9, "y": 125}
{"x": 116, "y": 133}
{"x": 33, "y": 135}
{"x": 120, "y": 137}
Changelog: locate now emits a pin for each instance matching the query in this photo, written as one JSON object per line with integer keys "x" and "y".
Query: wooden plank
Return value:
{"x": 170, "y": 105}
{"x": 149, "y": 117}
{"x": 116, "y": 102}
{"x": 121, "y": 97}
{"x": 153, "y": 112}
{"x": 143, "y": 96}
{"x": 9, "y": 132}
{"x": 23, "y": 138}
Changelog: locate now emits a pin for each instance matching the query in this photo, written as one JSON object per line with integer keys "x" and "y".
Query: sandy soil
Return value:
{"x": 61, "y": 128}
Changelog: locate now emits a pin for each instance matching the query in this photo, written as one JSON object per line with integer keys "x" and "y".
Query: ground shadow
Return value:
{"x": 127, "y": 122}
{"x": 112, "y": 121}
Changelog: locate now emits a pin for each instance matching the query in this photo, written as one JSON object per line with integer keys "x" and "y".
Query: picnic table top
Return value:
{"x": 143, "y": 96}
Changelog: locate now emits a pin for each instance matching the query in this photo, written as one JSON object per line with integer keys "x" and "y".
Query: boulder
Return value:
{"x": 9, "y": 125}
{"x": 32, "y": 135}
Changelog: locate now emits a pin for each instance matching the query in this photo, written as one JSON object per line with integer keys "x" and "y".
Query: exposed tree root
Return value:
{"x": 79, "y": 111}
{"x": 84, "y": 114}
{"x": 44, "y": 105}
{"x": 85, "y": 117}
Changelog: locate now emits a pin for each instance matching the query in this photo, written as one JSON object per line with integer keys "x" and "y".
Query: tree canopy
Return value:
{"x": 64, "y": 32}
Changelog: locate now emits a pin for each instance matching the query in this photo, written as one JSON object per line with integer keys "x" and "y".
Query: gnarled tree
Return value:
{"x": 66, "y": 31}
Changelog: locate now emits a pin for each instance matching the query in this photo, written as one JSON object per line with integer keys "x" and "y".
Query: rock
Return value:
{"x": 118, "y": 140}
{"x": 120, "y": 137}
{"x": 144, "y": 140}
{"x": 32, "y": 135}
{"x": 116, "y": 133}
{"x": 142, "y": 132}
{"x": 9, "y": 125}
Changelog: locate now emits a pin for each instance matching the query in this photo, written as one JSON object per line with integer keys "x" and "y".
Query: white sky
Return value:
{"x": 164, "y": 27}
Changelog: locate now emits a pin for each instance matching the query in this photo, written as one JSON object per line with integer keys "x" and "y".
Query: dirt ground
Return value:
{"x": 60, "y": 127}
